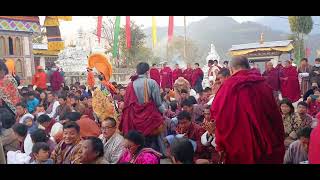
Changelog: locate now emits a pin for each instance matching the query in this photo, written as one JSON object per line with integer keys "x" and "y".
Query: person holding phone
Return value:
{"x": 314, "y": 103}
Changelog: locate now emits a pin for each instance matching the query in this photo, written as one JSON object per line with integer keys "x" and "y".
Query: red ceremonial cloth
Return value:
{"x": 56, "y": 81}
{"x": 155, "y": 75}
{"x": 144, "y": 118}
{"x": 273, "y": 78}
{"x": 187, "y": 74}
{"x": 170, "y": 28}
{"x": 314, "y": 146}
{"x": 40, "y": 80}
{"x": 196, "y": 74}
{"x": 290, "y": 88}
{"x": 128, "y": 32}
{"x": 249, "y": 127}
{"x": 166, "y": 78}
{"x": 176, "y": 74}
{"x": 99, "y": 26}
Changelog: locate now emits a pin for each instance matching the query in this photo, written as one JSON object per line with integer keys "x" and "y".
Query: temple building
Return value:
{"x": 16, "y": 34}
{"x": 44, "y": 57}
{"x": 16, "y": 42}
{"x": 261, "y": 52}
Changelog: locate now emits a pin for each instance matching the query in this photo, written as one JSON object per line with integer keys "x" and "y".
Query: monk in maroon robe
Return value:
{"x": 197, "y": 78}
{"x": 166, "y": 77}
{"x": 177, "y": 72}
{"x": 249, "y": 127}
{"x": 56, "y": 80}
{"x": 187, "y": 73}
{"x": 142, "y": 105}
{"x": 290, "y": 87}
{"x": 155, "y": 74}
{"x": 272, "y": 76}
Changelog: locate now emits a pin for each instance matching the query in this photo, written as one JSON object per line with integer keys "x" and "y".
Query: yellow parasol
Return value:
{"x": 102, "y": 63}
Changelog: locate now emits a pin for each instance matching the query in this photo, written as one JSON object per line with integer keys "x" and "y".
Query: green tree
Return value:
{"x": 138, "y": 51}
{"x": 176, "y": 47}
{"x": 300, "y": 26}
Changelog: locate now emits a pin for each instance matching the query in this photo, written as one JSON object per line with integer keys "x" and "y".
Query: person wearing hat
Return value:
{"x": 90, "y": 78}
{"x": 39, "y": 80}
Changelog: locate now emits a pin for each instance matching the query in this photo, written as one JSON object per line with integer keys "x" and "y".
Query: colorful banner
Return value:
{"x": 308, "y": 52}
{"x": 128, "y": 32}
{"x": 154, "y": 31}
{"x": 170, "y": 29}
{"x": 116, "y": 37}
{"x": 99, "y": 28}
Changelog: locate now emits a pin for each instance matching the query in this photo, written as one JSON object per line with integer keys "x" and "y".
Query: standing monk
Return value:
{"x": 155, "y": 74}
{"x": 40, "y": 79}
{"x": 166, "y": 76}
{"x": 315, "y": 72}
{"x": 177, "y": 72}
{"x": 304, "y": 72}
{"x": 187, "y": 73}
{"x": 56, "y": 80}
{"x": 249, "y": 128}
{"x": 196, "y": 78}
{"x": 290, "y": 87}
{"x": 143, "y": 108}
{"x": 272, "y": 76}
{"x": 90, "y": 79}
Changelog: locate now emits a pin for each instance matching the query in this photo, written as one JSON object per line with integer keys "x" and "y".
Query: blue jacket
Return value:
{"x": 32, "y": 104}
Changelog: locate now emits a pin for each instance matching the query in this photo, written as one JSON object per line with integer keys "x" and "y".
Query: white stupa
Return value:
{"x": 74, "y": 59}
{"x": 213, "y": 55}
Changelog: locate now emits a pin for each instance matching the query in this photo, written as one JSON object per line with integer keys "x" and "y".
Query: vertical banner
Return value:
{"x": 308, "y": 52}
{"x": 170, "y": 29}
{"x": 99, "y": 27}
{"x": 116, "y": 37}
{"x": 128, "y": 32}
{"x": 154, "y": 31}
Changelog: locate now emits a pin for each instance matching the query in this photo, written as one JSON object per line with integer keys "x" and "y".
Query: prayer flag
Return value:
{"x": 116, "y": 36}
{"x": 170, "y": 29}
{"x": 99, "y": 26}
{"x": 128, "y": 32}
{"x": 154, "y": 31}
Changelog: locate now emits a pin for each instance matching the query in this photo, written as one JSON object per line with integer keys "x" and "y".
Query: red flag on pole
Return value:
{"x": 170, "y": 28}
{"x": 99, "y": 26}
{"x": 128, "y": 32}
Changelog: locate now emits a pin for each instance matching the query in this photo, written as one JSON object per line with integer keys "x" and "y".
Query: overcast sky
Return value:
{"x": 88, "y": 22}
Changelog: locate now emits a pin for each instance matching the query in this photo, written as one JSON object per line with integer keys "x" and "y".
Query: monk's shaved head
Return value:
{"x": 240, "y": 62}
{"x": 269, "y": 65}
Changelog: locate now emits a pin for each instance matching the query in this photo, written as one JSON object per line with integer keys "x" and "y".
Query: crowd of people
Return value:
{"x": 164, "y": 116}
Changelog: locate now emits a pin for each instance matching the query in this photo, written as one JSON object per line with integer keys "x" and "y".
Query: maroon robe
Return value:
{"x": 56, "y": 81}
{"x": 273, "y": 78}
{"x": 196, "y": 75}
{"x": 166, "y": 78}
{"x": 176, "y": 74}
{"x": 187, "y": 74}
{"x": 155, "y": 75}
{"x": 249, "y": 127}
{"x": 194, "y": 133}
{"x": 144, "y": 118}
{"x": 290, "y": 88}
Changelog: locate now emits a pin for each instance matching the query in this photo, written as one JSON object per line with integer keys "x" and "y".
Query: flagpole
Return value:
{"x": 185, "y": 37}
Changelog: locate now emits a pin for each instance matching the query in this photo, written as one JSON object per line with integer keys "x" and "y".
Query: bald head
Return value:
{"x": 240, "y": 63}
{"x": 269, "y": 65}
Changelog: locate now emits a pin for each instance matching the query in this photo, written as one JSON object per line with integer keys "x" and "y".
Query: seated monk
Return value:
{"x": 143, "y": 107}
{"x": 193, "y": 131}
